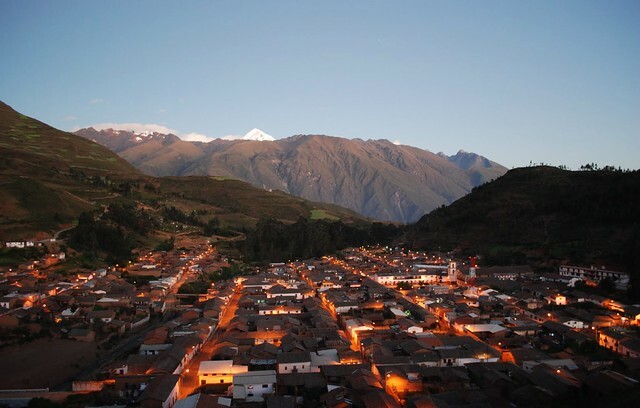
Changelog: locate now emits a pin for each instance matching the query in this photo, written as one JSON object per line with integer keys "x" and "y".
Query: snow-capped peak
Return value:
{"x": 259, "y": 135}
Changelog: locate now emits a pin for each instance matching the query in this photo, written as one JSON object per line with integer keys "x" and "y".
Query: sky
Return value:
{"x": 520, "y": 82}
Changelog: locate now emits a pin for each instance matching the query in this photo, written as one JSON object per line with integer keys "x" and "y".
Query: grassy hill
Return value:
{"x": 543, "y": 216}
{"x": 49, "y": 177}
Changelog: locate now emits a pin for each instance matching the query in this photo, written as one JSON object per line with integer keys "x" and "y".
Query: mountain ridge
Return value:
{"x": 376, "y": 178}
{"x": 49, "y": 177}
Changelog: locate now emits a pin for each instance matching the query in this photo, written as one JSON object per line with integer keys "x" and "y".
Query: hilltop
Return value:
{"x": 543, "y": 216}
{"x": 376, "y": 178}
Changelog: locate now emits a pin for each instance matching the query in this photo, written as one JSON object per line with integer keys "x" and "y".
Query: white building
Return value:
{"x": 294, "y": 362}
{"x": 620, "y": 279}
{"x": 419, "y": 274}
{"x": 254, "y": 385}
{"x": 219, "y": 371}
{"x": 20, "y": 244}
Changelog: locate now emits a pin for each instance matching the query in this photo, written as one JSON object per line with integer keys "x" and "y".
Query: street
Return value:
{"x": 189, "y": 381}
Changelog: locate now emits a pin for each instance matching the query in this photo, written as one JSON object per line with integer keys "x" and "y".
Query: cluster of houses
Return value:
{"x": 385, "y": 328}
{"x": 339, "y": 333}
{"x": 92, "y": 305}
{"x": 150, "y": 377}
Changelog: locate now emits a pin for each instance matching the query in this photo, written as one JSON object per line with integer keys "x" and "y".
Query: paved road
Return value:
{"x": 190, "y": 375}
{"x": 123, "y": 348}
{"x": 56, "y": 236}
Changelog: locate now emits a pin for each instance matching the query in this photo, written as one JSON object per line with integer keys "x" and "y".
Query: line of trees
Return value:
{"x": 111, "y": 232}
{"x": 273, "y": 240}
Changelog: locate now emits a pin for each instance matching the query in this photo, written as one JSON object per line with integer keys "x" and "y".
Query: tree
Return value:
{"x": 212, "y": 227}
{"x": 607, "y": 285}
{"x": 404, "y": 286}
{"x": 166, "y": 245}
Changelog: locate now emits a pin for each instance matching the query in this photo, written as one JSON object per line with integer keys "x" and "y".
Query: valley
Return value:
{"x": 180, "y": 290}
{"x": 376, "y": 178}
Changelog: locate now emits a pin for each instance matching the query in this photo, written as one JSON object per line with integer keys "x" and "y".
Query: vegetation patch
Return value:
{"x": 323, "y": 215}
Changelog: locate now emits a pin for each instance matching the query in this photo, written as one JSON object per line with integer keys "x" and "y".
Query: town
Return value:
{"x": 369, "y": 327}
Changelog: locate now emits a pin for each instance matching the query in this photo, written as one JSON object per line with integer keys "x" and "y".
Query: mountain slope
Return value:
{"x": 376, "y": 177}
{"x": 48, "y": 177}
{"x": 543, "y": 216}
{"x": 44, "y": 174}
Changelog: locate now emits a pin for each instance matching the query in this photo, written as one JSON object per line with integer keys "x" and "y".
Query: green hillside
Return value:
{"x": 543, "y": 216}
{"x": 49, "y": 177}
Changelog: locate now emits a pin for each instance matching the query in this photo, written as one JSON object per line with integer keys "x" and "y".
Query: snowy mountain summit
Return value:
{"x": 259, "y": 135}
{"x": 253, "y": 134}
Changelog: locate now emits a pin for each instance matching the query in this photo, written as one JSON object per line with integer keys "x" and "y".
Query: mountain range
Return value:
{"x": 48, "y": 177}
{"x": 376, "y": 178}
{"x": 541, "y": 216}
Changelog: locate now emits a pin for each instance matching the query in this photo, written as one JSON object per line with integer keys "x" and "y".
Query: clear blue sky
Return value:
{"x": 543, "y": 81}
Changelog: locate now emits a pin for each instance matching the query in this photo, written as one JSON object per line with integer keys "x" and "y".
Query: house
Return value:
{"x": 162, "y": 392}
{"x": 297, "y": 293}
{"x": 70, "y": 313}
{"x": 329, "y": 357}
{"x": 619, "y": 341}
{"x": 556, "y": 299}
{"x": 289, "y": 308}
{"x": 294, "y": 362}
{"x": 486, "y": 330}
{"x": 402, "y": 381}
{"x": 420, "y": 276}
{"x": 20, "y": 244}
{"x": 203, "y": 401}
{"x": 278, "y": 401}
{"x": 511, "y": 272}
{"x": 219, "y": 371}
{"x": 344, "y": 306}
{"x": 604, "y": 384}
{"x": 103, "y": 315}
{"x": 213, "y": 307}
{"x": 631, "y": 315}
{"x": 86, "y": 335}
{"x": 461, "y": 356}
{"x": 157, "y": 336}
{"x": 354, "y": 326}
{"x": 620, "y": 279}
{"x": 190, "y": 315}
{"x": 409, "y": 326}
{"x": 572, "y": 322}
{"x": 153, "y": 349}
{"x": 8, "y": 302}
{"x": 253, "y": 386}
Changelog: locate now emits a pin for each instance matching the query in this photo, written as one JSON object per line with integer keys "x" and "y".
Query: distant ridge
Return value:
{"x": 376, "y": 178}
